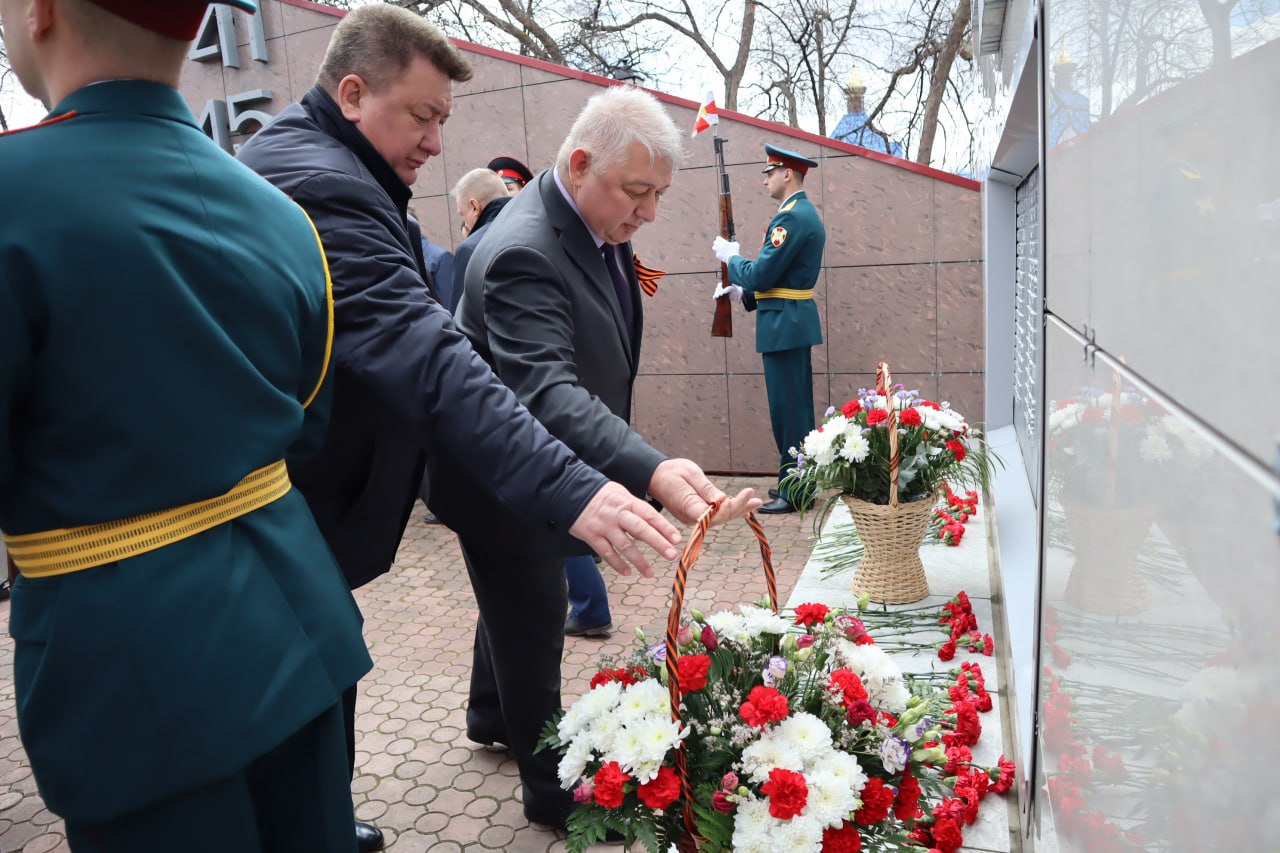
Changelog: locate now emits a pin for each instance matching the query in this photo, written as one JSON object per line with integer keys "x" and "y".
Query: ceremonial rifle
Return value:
{"x": 722, "y": 323}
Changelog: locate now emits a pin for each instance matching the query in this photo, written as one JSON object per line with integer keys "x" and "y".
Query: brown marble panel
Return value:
{"x": 879, "y": 314}
{"x": 965, "y": 393}
{"x": 272, "y": 76}
{"x": 200, "y": 83}
{"x": 679, "y": 240}
{"x": 750, "y": 430}
{"x": 684, "y": 416}
{"x": 304, "y": 51}
{"x": 957, "y": 223}
{"x": 960, "y": 317}
{"x": 296, "y": 19}
{"x": 531, "y": 76}
{"x": 677, "y": 329}
{"x": 876, "y": 213}
{"x": 489, "y": 73}
{"x": 481, "y": 127}
{"x": 740, "y": 350}
{"x": 549, "y": 110}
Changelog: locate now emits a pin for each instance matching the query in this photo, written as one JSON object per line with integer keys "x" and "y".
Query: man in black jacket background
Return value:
{"x": 408, "y": 387}
{"x": 480, "y": 196}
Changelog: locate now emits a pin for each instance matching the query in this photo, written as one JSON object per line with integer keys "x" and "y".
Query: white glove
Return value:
{"x": 734, "y": 291}
{"x": 724, "y": 249}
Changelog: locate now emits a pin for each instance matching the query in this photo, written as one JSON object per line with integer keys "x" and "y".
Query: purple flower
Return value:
{"x": 658, "y": 652}
{"x": 831, "y": 410}
{"x": 774, "y": 671}
{"x": 894, "y": 753}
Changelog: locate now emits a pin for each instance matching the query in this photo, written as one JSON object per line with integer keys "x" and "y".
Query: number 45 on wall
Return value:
{"x": 216, "y": 37}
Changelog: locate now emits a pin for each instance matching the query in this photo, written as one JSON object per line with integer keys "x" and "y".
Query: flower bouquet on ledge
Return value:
{"x": 798, "y": 734}
{"x": 886, "y": 454}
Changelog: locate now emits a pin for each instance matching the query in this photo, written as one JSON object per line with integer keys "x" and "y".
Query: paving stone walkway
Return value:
{"x": 418, "y": 778}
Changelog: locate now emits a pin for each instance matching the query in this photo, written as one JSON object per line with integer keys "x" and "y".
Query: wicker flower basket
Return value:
{"x": 1106, "y": 576}
{"x": 890, "y": 570}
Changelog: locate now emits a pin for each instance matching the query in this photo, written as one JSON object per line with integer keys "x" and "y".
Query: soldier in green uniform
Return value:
{"x": 778, "y": 286}
{"x": 182, "y": 633}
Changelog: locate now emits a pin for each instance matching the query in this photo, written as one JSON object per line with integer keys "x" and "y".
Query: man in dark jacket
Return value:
{"x": 406, "y": 382}
{"x": 479, "y": 196}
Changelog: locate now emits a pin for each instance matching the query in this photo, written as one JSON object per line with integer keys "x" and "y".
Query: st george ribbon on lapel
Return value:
{"x": 610, "y": 254}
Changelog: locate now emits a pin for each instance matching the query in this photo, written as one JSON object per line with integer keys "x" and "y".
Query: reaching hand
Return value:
{"x": 724, "y": 249}
{"x": 734, "y": 291}
{"x": 685, "y": 491}
{"x": 615, "y": 521}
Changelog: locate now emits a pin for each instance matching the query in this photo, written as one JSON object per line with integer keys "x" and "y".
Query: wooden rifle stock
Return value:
{"x": 722, "y": 322}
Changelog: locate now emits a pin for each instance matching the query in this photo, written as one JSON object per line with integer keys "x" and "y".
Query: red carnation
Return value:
{"x": 988, "y": 645}
{"x": 851, "y": 408}
{"x": 947, "y": 836}
{"x": 608, "y": 781}
{"x": 843, "y": 840}
{"x": 662, "y": 791}
{"x": 1004, "y": 775}
{"x": 877, "y": 801}
{"x": 911, "y": 417}
{"x": 859, "y": 712}
{"x": 850, "y": 686}
{"x": 956, "y": 448}
{"x": 948, "y": 650}
{"x": 907, "y": 805}
{"x": 811, "y": 614}
{"x": 787, "y": 792}
{"x": 764, "y": 705}
{"x": 877, "y": 416}
{"x": 693, "y": 671}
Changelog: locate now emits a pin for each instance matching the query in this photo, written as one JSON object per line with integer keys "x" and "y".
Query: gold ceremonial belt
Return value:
{"x": 784, "y": 293}
{"x": 73, "y": 549}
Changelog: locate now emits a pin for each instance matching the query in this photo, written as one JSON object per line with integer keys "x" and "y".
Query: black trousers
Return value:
{"x": 515, "y": 674}
{"x": 294, "y": 799}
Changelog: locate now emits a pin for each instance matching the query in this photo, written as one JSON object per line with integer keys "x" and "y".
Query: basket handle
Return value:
{"x": 884, "y": 385}
{"x": 690, "y": 554}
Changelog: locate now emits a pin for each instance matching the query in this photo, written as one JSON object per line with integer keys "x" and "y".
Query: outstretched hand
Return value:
{"x": 614, "y": 522}
{"x": 682, "y": 488}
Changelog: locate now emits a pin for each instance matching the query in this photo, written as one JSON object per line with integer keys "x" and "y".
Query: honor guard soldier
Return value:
{"x": 778, "y": 286}
{"x": 182, "y": 633}
{"x": 513, "y": 173}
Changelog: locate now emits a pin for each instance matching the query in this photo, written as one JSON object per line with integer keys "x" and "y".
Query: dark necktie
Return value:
{"x": 619, "y": 287}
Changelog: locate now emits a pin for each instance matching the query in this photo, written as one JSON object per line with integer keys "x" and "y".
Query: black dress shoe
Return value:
{"x": 369, "y": 838}
{"x": 491, "y": 743}
{"x": 777, "y": 506}
{"x": 774, "y": 493}
{"x": 574, "y": 628}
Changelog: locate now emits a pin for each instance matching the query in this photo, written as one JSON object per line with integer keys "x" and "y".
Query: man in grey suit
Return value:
{"x": 552, "y": 304}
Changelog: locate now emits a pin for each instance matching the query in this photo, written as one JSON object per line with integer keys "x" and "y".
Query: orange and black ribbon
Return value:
{"x": 647, "y": 277}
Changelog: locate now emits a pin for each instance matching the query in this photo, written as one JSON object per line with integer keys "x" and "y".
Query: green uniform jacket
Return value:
{"x": 791, "y": 257}
{"x": 163, "y": 319}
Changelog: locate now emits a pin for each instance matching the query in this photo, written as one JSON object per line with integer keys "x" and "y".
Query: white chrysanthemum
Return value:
{"x": 766, "y": 754}
{"x": 893, "y": 696}
{"x": 655, "y": 737}
{"x": 596, "y": 703}
{"x": 805, "y": 735}
{"x": 761, "y": 620}
{"x": 818, "y": 443}
{"x": 573, "y": 765}
{"x": 751, "y": 824}
{"x": 836, "y": 424}
{"x": 801, "y": 832}
{"x": 831, "y": 800}
{"x": 729, "y": 626}
{"x": 644, "y": 699}
{"x": 1154, "y": 448}
{"x": 602, "y": 734}
{"x": 855, "y": 446}
{"x": 844, "y": 768}
{"x": 627, "y": 748}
